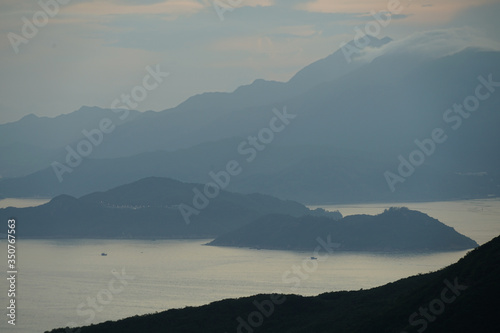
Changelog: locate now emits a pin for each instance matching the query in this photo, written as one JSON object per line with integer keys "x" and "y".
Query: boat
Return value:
{"x": 314, "y": 258}
{"x": 104, "y": 254}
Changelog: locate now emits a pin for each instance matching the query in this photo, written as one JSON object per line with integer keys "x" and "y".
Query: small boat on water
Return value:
{"x": 104, "y": 254}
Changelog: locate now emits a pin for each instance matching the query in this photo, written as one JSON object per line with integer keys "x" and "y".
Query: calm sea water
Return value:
{"x": 59, "y": 279}
{"x": 21, "y": 203}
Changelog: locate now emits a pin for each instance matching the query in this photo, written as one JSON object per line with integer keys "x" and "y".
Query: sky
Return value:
{"x": 60, "y": 55}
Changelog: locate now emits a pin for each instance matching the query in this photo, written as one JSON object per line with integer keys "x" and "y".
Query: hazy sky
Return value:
{"x": 91, "y": 52}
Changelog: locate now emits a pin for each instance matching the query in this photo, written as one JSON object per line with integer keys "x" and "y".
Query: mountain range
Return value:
{"x": 351, "y": 125}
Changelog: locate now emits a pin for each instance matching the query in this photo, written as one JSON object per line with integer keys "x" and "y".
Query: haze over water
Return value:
{"x": 56, "y": 277}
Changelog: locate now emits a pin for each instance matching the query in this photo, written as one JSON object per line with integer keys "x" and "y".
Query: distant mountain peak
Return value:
{"x": 333, "y": 66}
{"x": 86, "y": 108}
{"x": 29, "y": 117}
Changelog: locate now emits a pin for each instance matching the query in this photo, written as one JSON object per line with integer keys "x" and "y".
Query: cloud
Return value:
{"x": 435, "y": 44}
{"x": 169, "y": 7}
{"x": 154, "y": 32}
{"x": 431, "y": 11}
{"x": 240, "y": 3}
{"x": 483, "y": 18}
{"x": 95, "y": 49}
{"x": 342, "y": 6}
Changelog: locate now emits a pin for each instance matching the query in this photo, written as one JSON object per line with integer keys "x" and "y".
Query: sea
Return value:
{"x": 71, "y": 283}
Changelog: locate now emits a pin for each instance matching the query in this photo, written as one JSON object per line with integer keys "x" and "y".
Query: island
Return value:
{"x": 396, "y": 229}
{"x": 151, "y": 208}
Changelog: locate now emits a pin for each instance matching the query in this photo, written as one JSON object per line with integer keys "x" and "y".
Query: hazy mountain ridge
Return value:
{"x": 33, "y": 142}
{"x": 209, "y": 116}
{"x": 305, "y": 174}
{"x": 404, "y": 99}
{"x": 171, "y": 129}
{"x": 178, "y": 127}
{"x": 194, "y": 165}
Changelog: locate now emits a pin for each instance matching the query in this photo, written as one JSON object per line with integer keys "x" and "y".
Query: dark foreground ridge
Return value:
{"x": 462, "y": 297}
{"x": 396, "y": 229}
